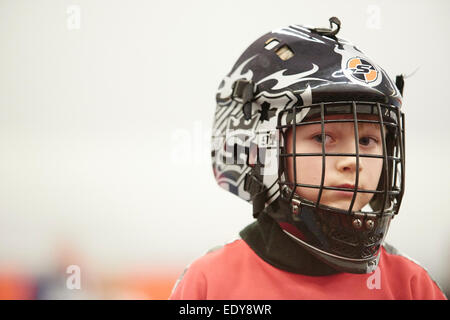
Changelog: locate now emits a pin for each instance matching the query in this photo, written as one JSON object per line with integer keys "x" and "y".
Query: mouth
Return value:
{"x": 345, "y": 186}
{"x": 344, "y": 193}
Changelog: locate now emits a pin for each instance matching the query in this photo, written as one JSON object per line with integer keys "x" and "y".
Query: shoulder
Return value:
{"x": 404, "y": 271}
{"x": 229, "y": 252}
{"x": 213, "y": 266}
{"x": 392, "y": 257}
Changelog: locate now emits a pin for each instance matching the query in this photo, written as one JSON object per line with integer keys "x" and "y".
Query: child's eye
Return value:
{"x": 318, "y": 138}
{"x": 366, "y": 141}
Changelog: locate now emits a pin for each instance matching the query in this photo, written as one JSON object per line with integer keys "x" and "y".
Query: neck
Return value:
{"x": 271, "y": 244}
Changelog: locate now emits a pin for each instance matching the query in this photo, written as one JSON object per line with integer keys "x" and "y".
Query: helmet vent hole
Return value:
{"x": 285, "y": 53}
{"x": 271, "y": 43}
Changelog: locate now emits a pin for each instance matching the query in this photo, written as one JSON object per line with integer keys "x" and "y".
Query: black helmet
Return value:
{"x": 297, "y": 76}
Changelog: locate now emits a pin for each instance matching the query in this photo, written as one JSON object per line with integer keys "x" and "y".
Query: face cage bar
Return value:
{"x": 389, "y": 173}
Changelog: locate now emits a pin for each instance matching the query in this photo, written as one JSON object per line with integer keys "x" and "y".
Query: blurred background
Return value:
{"x": 106, "y": 187}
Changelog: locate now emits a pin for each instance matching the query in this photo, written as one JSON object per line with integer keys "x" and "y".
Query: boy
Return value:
{"x": 309, "y": 130}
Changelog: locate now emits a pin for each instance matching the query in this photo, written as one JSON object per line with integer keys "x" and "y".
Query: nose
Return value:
{"x": 348, "y": 163}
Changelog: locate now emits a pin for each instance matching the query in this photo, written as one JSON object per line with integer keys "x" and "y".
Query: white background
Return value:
{"x": 105, "y": 122}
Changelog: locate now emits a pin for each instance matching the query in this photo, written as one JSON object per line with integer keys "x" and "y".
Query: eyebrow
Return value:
{"x": 369, "y": 125}
{"x": 362, "y": 126}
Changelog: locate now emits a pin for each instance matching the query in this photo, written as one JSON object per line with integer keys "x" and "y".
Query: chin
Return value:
{"x": 344, "y": 205}
{"x": 330, "y": 200}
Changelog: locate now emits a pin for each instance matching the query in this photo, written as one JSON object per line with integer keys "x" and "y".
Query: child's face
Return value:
{"x": 340, "y": 170}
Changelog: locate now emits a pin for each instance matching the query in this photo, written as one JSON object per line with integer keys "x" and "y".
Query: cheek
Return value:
{"x": 309, "y": 170}
{"x": 373, "y": 170}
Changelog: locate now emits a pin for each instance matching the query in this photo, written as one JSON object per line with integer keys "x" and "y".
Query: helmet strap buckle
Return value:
{"x": 257, "y": 190}
{"x": 243, "y": 92}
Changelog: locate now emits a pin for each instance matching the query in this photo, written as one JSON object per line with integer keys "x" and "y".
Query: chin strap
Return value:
{"x": 257, "y": 190}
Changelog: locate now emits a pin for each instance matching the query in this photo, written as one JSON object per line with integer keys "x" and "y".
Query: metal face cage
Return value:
{"x": 387, "y": 197}
{"x": 343, "y": 236}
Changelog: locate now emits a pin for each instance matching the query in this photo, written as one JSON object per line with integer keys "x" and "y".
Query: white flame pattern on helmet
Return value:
{"x": 227, "y": 88}
{"x": 284, "y": 81}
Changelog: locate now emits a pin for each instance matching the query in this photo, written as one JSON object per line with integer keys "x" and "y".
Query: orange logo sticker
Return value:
{"x": 362, "y": 70}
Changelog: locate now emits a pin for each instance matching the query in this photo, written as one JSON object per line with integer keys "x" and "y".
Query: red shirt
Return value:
{"x": 235, "y": 272}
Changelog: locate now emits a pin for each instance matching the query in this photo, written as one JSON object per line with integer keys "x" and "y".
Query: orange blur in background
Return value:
{"x": 157, "y": 285}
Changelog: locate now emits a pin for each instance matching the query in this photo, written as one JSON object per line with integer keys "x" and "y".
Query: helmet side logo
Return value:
{"x": 362, "y": 70}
